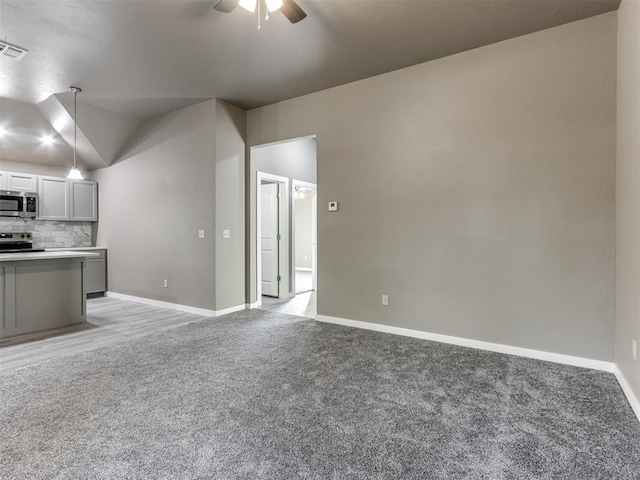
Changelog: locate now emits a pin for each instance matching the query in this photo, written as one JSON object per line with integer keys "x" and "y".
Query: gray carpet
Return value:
{"x": 258, "y": 395}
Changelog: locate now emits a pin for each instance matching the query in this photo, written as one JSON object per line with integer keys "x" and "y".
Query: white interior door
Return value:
{"x": 269, "y": 238}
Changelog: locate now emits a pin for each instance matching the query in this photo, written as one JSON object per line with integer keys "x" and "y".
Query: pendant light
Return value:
{"x": 74, "y": 173}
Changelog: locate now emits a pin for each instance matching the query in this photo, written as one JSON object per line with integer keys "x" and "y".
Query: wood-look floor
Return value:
{"x": 109, "y": 321}
{"x": 303, "y": 304}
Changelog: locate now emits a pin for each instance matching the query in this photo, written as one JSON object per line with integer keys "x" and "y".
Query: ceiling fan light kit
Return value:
{"x": 273, "y": 5}
{"x": 250, "y": 5}
{"x": 289, "y": 8}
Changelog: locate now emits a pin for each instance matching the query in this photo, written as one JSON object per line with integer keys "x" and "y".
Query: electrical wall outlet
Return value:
{"x": 226, "y": 233}
{"x": 201, "y": 234}
{"x": 385, "y": 299}
{"x": 634, "y": 349}
{"x": 165, "y": 283}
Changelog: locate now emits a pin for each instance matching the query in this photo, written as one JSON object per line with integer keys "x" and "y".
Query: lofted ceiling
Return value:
{"x": 142, "y": 58}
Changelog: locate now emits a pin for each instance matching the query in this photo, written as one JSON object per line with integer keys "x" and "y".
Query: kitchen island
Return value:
{"x": 41, "y": 290}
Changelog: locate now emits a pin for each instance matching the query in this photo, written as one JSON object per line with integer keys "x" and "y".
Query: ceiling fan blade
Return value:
{"x": 292, "y": 11}
{"x": 226, "y": 6}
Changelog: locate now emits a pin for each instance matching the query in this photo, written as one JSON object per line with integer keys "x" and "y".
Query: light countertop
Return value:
{"x": 14, "y": 257}
{"x": 74, "y": 249}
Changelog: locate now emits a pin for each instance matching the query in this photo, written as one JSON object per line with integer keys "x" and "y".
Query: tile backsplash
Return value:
{"x": 50, "y": 233}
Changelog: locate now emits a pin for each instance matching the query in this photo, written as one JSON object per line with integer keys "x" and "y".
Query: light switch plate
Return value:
{"x": 226, "y": 233}
{"x": 201, "y": 234}
{"x": 333, "y": 206}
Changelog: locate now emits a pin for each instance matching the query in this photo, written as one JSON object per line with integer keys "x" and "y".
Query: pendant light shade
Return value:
{"x": 74, "y": 173}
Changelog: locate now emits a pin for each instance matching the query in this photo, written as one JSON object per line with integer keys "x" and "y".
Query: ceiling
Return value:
{"x": 142, "y": 58}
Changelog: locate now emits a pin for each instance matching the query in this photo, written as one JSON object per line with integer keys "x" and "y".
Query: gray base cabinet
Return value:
{"x": 41, "y": 294}
{"x": 95, "y": 275}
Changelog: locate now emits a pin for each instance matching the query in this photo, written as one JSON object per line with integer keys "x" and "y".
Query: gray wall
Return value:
{"x": 35, "y": 168}
{"x": 628, "y": 191}
{"x": 476, "y": 190}
{"x": 294, "y": 159}
{"x": 230, "y": 205}
{"x": 152, "y": 203}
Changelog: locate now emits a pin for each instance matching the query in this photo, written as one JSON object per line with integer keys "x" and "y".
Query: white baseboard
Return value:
{"x": 466, "y": 342}
{"x": 628, "y": 391}
{"x": 176, "y": 306}
{"x": 250, "y": 306}
{"x": 304, "y": 269}
{"x": 226, "y": 311}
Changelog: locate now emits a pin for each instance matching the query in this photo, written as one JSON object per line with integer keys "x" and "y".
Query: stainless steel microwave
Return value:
{"x": 18, "y": 204}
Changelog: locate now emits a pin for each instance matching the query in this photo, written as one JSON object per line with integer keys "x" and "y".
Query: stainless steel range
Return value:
{"x": 17, "y": 243}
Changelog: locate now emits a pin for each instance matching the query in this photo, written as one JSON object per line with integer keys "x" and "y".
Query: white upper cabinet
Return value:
{"x": 54, "y": 199}
{"x": 58, "y": 198}
{"x": 21, "y": 182}
{"x": 83, "y": 195}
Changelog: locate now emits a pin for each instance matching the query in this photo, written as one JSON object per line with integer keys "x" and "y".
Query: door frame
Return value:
{"x": 284, "y": 290}
{"x": 314, "y": 234}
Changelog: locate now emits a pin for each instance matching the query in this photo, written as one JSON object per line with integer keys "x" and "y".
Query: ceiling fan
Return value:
{"x": 289, "y": 8}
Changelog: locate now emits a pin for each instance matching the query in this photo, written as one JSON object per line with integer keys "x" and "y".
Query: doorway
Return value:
{"x": 271, "y": 219}
{"x": 280, "y": 167}
{"x": 272, "y": 235}
{"x": 304, "y": 236}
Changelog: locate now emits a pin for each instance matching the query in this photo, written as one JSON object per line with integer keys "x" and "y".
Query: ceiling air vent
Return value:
{"x": 12, "y": 51}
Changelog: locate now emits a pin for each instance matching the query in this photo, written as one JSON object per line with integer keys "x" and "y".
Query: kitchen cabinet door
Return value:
{"x": 3, "y": 180}
{"x": 95, "y": 271}
{"x": 83, "y": 195}
{"x": 21, "y": 182}
{"x": 54, "y": 199}
{"x": 95, "y": 275}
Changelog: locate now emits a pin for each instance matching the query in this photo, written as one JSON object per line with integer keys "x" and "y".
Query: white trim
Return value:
{"x": 226, "y": 311}
{"x": 251, "y": 306}
{"x": 304, "y": 269}
{"x": 254, "y": 262}
{"x": 467, "y": 342}
{"x": 628, "y": 391}
{"x": 288, "y": 140}
{"x": 176, "y": 306}
{"x": 284, "y": 230}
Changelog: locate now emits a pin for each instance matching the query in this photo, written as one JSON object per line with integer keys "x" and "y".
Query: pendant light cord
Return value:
{"x": 74, "y": 173}
{"x": 75, "y": 125}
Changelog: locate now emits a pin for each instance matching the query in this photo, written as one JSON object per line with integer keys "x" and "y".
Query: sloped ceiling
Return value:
{"x": 23, "y": 128}
{"x": 101, "y": 133}
{"x": 142, "y": 58}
